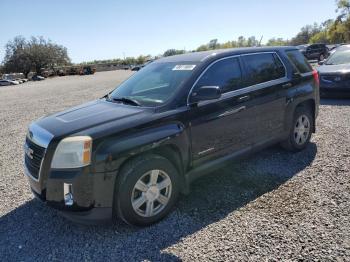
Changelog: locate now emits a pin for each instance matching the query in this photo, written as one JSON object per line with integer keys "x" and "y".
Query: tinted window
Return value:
{"x": 226, "y": 74}
{"x": 313, "y": 47}
{"x": 299, "y": 61}
{"x": 263, "y": 68}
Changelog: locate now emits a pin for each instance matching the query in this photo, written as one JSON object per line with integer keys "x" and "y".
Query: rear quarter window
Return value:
{"x": 299, "y": 61}
{"x": 263, "y": 67}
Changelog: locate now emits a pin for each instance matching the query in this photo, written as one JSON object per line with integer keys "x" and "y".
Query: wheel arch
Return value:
{"x": 172, "y": 153}
{"x": 311, "y": 104}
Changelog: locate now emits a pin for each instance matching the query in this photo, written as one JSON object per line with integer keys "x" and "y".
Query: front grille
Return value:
{"x": 33, "y": 164}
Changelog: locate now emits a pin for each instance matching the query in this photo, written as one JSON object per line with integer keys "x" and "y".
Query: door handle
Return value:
{"x": 233, "y": 111}
{"x": 243, "y": 98}
{"x": 287, "y": 85}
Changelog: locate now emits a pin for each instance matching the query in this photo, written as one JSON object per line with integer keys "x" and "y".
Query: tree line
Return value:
{"x": 332, "y": 31}
{"x": 37, "y": 53}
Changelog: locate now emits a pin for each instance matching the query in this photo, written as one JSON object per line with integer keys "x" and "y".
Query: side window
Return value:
{"x": 280, "y": 70}
{"x": 226, "y": 74}
{"x": 299, "y": 61}
{"x": 263, "y": 67}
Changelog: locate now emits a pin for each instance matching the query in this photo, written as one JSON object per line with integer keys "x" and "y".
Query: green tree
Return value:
{"x": 171, "y": 52}
{"x": 277, "y": 42}
{"x": 202, "y": 48}
{"x": 252, "y": 41}
{"x": 226, "y": 45}
{"x": 129, "y": 61}
{"x": 343, "y": 6}
{"x": 241, "y": 41}
{"x": 341, "y": 29}
{"x": 17, "y": 58}
{"x": 23, "y": 55}
{"x": 305, "y": 34}
{"x": 213, "y": 44}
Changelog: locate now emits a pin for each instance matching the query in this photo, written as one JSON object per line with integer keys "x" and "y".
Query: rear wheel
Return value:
{"x": 147, "y": 189}
{"x": 301, "y": 130}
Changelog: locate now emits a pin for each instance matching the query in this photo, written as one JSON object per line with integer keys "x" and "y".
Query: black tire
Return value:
{"x": 131, "y": 172}
{"x": 291, "y": 143}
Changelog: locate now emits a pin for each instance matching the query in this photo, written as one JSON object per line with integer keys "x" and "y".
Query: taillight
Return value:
{"x": 316, "y": 77}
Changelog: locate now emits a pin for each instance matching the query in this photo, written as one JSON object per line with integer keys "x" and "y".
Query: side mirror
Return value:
{"x": 205, "y": 93}
{"x": 321, "y": 62}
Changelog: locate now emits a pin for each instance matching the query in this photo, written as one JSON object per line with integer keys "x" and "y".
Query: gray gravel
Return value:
{"x": 273, "y": 206}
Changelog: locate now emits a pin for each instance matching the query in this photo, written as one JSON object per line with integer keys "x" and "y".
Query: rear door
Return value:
{"x": 266, "y": 76}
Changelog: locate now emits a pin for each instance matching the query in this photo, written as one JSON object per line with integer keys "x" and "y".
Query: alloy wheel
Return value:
{"x": 301, "y": 130}
{"x": 151, "y": 193}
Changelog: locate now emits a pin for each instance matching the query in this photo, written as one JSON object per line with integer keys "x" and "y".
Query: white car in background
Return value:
{"x": 4, "y": 82}
{"x": 17, "y": 77}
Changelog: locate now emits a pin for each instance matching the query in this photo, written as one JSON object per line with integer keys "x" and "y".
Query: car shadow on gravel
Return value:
{"x": 34, "y": 232}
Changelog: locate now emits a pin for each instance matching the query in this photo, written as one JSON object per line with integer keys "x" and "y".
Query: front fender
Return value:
{"x": 113, "y": 151}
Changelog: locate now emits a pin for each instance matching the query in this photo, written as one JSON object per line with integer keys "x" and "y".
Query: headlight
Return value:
{"x": 73, "y": 152}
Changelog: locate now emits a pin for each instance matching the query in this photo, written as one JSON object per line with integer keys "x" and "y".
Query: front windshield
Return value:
{"x": 339, "y": 57}
{"x": 154, "y": 84}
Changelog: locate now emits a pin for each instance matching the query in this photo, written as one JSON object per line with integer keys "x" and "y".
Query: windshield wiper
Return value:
{"x": 126, "y": 100}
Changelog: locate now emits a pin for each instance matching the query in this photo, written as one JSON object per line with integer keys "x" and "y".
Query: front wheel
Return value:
{"x": 301, "y": 130}
{"x": 147, "y": 189}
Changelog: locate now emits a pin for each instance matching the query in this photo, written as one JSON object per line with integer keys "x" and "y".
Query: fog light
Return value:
{"x": 68, "y": 194}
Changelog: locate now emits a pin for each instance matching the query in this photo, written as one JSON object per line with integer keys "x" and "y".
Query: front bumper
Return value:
{"x": 338, "y": 85}
{"x": 93, "y": 194}
{"x": 94, "y": 216}
{"x": 336, "y": 91}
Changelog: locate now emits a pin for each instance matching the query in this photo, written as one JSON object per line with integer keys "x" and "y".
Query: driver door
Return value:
{"x": 221, "y": 126}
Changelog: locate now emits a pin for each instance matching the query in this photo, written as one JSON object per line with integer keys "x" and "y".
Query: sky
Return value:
{"x": 107, "y": 29}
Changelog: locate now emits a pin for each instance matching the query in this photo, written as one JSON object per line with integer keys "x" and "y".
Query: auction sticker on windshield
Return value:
{"x": 184, "y": 67}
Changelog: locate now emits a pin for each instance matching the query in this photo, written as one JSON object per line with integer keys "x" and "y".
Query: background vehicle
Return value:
{"x": 333, "y": 48}
{"x": 87, "y": 70}
{"x": 17, "y": 77}
{"x": 316, "y": 51}
{"x": 38, "y": 78}
{"x": 61, "y": 72}
{"x": 335, "y": 72}
{"x": 130, "y": 153}
{"x": 8, "y": 82}
{"x": 302, "y": 48}
{"x": 136, "y": 67}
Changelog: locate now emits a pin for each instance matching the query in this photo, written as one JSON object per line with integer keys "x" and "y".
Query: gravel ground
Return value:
{"x": 273, "y": 206}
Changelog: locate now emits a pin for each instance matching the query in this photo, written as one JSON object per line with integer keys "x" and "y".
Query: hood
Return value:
{"x": 334, "y": 69}
{"x": 89, "y": 115}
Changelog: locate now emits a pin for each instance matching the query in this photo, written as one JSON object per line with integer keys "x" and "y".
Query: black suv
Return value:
{"x": 316, "y": 51}
{"x": 129, "y": 154}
